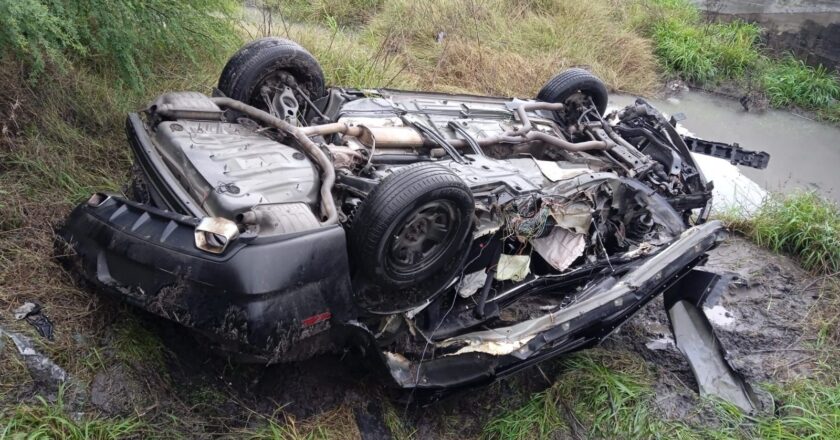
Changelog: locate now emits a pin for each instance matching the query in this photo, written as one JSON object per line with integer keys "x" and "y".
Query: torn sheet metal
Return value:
{"x": 513, "y": 267}
{"x": 42, "y": 369}
{"x": 692, "y": 243}
{"x": 696, "y": 339}
{"x": 552, "y": 171}
{"x": 497, "y": 348}
{"x": 574, "y": 216}
{"x": 560, "y": 248}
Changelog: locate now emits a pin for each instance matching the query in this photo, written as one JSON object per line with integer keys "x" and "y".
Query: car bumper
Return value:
{"x": 572, "y": 328}
{"x": 263, "y": 296}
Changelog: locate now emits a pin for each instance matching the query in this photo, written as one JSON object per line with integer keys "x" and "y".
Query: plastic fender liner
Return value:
{"x": 265, "y": 293}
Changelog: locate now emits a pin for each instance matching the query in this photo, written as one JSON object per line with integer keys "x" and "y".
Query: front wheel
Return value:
{"x": 409, "y": 237}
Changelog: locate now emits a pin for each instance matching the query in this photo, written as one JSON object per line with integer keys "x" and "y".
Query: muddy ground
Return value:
{"x": 759, "y": 318}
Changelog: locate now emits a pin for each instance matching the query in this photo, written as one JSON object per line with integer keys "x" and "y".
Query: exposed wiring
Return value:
{"x": 442, "y": 319}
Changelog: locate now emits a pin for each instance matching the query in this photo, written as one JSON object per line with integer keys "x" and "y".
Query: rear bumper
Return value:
{"x": 262, "y": 296}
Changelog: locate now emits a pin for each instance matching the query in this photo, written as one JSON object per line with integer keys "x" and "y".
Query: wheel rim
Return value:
{"x": 275, "y": 82}
{"x": 423, "y": 238}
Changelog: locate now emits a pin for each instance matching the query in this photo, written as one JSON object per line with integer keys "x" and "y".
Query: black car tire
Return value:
{"x": 270, "y": 60}
{"x": 409, "y": 237}
{"x": 572, "y": 81}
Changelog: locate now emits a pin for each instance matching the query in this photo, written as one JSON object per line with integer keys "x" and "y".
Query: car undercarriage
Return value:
{"x": 453, "y": 238}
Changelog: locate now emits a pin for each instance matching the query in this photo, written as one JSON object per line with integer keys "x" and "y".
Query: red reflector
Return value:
{"x": 314, "y": 319}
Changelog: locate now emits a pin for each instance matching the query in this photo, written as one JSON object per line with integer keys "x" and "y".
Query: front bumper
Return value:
{"x": 577, "y": 326}
{"x": 262, "y": 296}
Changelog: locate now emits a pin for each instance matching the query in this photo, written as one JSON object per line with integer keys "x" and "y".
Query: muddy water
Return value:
{"x": 803, "y": 153}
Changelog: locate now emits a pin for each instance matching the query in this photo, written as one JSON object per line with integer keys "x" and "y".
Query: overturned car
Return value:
{"x": 453, "y": 238}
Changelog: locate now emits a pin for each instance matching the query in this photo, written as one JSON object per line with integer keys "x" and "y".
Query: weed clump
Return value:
{"x": 801, "y": 224}
{"x": 707, "y": 52}
{"x": 55, "y": 421}
{"x": 792, "y": 82}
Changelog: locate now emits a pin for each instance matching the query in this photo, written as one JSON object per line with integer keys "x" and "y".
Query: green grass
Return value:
{"x": 792, "y": 82}
{"x": 809, "y": 410}
{"x": 707, "y": 52}
{"x": 46, "y": 420}
{"x": 540, "y": 418}
{"x": 601, "y": 395}
{"x": 803, "y": 225}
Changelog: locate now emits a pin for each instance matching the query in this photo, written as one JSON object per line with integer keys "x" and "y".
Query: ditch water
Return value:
{"x": 804, "y": 154}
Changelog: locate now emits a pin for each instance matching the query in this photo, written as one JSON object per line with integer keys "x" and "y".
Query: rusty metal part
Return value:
{"x": 566, "y": 145}
{"x": 328, "y": 208}
{"x": 345, "y": 157}
{"x": 385, "y": 137}
{"x": 333, "y": 128}
{"x": 522, "y": 112}
{"x": 393, "y": 137}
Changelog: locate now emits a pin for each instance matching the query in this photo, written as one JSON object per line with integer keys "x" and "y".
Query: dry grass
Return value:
{"x": 511, "y": 47}
{"x": 63, "y": 140}
{"x": 495, "y": 47}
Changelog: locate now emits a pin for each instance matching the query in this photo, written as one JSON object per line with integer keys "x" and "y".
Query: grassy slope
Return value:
{"x": 62, "y": 139}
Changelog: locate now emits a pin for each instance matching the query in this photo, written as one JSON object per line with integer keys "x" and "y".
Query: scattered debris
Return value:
{"x": 471, "y": 282}
{"x": 560, "y": 248}
{"x": 43, "y": 370}
{"x": 31, "y": 312}
{"x": 513, "y": 267}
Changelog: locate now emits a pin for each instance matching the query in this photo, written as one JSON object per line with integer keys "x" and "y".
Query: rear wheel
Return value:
{"x": 265, "y": 72}
{"x": 409, "y": 237}
{"x": 574, "y": 85}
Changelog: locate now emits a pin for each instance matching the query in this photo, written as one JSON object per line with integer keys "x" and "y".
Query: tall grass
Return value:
{"x": 792, "y": 82}
{"x": 802, "y": 224}
{"x": 71, "y": 70}
{"x": 499, "y": 47}
{"x": 350, "y": 13}
{"x": 126, "y": 37}
{"x": 707, "y": 52}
